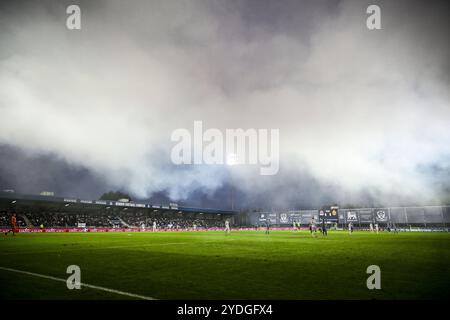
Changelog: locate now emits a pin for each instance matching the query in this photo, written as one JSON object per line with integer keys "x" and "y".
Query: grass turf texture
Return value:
{"x": 242, "y": 265}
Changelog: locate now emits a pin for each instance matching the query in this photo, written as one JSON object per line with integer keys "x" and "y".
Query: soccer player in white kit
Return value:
{"x": 312, "y": 228}
{"x": 376, "y": 227}
{"x": 154, "y": 226}
{"x": 350, "y": 228}
{"x": 371, "y": 227}
{"x": 227, "y": 226}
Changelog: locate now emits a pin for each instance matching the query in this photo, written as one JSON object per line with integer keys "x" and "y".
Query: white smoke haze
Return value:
{"x": 359, "y": 109}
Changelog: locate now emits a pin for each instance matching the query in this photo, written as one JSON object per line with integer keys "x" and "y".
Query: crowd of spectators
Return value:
{"x": 53, "y": 219}
{"x": 141, "y": 219}
{"x": 102, "y": 220}
{"x": 56, "y": 219}
{"x": 178, "y": 223}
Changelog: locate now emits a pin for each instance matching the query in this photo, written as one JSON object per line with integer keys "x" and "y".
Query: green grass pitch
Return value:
{"x": 242, "y": 265}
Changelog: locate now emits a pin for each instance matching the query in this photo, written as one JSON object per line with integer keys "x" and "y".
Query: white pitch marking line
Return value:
{"x": 123, "y": 293}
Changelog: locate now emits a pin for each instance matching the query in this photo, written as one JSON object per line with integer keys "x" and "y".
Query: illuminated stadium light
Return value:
{"x": 231, "y": 159}
{"x": 14, "y": 201}
{"x": 66, "y": 205}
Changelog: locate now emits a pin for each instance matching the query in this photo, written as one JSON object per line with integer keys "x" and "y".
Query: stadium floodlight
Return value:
{"x": 231, "y": 159}
{"x": 14, "y": 201}
{"x": 67, "y": 204}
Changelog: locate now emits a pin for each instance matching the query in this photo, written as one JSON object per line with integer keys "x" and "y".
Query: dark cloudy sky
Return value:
{"x": 363, "y": 115}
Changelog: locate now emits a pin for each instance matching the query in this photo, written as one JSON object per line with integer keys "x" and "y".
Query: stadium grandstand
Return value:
{"x": 48, "y": 211}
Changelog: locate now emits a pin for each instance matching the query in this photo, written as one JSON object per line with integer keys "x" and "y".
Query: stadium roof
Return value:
{"x": 13, "y": 197}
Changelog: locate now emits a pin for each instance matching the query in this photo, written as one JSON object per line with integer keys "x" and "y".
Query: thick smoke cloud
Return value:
{"x": 362, "y": 114}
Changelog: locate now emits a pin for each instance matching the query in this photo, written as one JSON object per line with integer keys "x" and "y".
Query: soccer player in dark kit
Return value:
{"x": 324, "y": 228}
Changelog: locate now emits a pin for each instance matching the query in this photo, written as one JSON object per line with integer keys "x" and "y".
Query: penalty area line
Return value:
{"x": 123, "y": 293}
